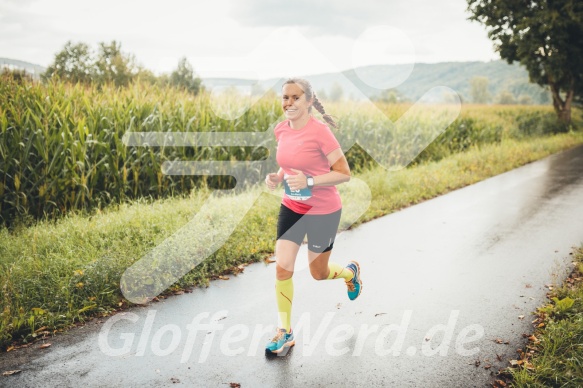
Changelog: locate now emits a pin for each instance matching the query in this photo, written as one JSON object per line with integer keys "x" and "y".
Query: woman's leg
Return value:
{"x": 285, "y": 252}
{"x": 290, "y": 234}
{"x": 322, "y": 269}
{"x": 321, "y": 231}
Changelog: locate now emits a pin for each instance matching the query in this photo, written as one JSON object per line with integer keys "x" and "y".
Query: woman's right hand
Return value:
{"x": 272, "y": 180}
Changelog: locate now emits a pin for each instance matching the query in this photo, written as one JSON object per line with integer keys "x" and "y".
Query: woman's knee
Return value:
{"x": 319, "y": 273}
{"x": 282, "y": 273}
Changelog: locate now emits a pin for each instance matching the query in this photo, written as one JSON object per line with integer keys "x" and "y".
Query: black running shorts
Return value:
{"x": 320, "y": 228}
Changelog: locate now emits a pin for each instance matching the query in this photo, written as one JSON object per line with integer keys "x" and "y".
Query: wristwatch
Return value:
{"x": 310, "y": 181}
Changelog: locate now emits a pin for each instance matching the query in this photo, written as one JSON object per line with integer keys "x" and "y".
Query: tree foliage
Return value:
{"x": 479, "y": 90}
{"x": 505, "y": 97}
{"x": 183, "y": 77}
{"x": 545, "y": 36}
{"x": 77, "y": 63}
{"x": 336, "y": 92}
{"x": 114, "y": 66}
{"x": 73, "y": 63}
{"x": 390, "y": 96}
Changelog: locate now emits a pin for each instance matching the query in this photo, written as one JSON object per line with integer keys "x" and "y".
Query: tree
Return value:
{"x": 336, "y": 92}
{"x": 389, "y": 96}
{"x": 322, "y": 95}
{"x": 505, "y": 97}
{"x": 525, "y": 99}
{"x": 183, "y": 77}
{"x": 114, "y": 66}
{"x": 146, "y": 76}
{"x": 72, "y": 63}
{"x": 545, "y": 36}
{"x": 479, "y": 90}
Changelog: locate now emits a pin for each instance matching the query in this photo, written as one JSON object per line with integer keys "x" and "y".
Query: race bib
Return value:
{"x": 296, "y": 195}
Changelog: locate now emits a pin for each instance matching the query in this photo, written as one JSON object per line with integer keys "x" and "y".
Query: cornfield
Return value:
{"x": 62, "y": 148}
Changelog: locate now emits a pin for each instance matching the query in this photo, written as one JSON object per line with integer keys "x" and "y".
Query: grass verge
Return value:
{"x": 554, "y": 354}
{"x": 56, "y": 273}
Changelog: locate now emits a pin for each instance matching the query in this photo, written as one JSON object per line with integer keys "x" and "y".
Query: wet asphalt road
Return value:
{"x": 442, "y": 281}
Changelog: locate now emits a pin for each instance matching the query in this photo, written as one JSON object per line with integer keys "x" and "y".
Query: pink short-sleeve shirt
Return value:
{"x": 305, "y": 150}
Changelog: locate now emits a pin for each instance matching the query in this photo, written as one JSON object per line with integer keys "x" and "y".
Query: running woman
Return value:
{"x": 311, "y": 165}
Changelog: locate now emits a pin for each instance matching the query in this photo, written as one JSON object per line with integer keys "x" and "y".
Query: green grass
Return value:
{"x": 557, "y": 343}
{"x": 57, "y": 272}
{"x": 62, "y": 149}
{"x": 406, "y": 187}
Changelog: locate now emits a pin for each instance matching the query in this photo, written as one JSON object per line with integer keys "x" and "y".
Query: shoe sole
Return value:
{"x": 357, "y": 274}
{"x": 285, "y": 346}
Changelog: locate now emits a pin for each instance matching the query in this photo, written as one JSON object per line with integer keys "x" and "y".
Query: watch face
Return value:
{"x": 310, "y": 181}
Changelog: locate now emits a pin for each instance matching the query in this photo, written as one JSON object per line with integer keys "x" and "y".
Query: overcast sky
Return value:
{"x": 249, "y": 38}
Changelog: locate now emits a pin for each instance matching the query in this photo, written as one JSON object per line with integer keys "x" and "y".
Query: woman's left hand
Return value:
{"x": 298, "y": 181}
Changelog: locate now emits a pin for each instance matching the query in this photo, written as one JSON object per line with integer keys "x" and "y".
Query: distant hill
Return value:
{"x": 455, "y": 75}
{"x": 14, "y": 64}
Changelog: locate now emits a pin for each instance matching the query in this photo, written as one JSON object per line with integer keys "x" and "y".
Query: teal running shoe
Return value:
{"x": 354, "y": 285}
{"x": 282, "y": 341}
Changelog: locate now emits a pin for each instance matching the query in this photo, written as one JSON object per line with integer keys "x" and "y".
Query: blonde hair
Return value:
{"x": 310, "y": 94}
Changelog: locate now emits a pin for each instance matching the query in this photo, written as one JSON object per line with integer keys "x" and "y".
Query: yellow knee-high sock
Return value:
{"x": 339, "y": 272}
{"x": 284, "y": 294}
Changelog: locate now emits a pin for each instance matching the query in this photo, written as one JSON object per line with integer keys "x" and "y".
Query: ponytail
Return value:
{"x": 311, "y": 95}
{"x": 320, "y": 108}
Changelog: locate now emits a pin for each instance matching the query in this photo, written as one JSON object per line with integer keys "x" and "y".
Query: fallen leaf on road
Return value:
{"x": 521, "y": 317}
{"x": 10, "y": 348}
{"x": 44, "y": 346}
{"x": 11, "y": 372}
{"x": 269, "y": 261}
{"x": 500, "y": 341}
{"x": 235, "y": 385}
{"x": 223, "y": 277}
